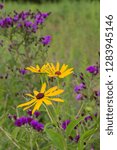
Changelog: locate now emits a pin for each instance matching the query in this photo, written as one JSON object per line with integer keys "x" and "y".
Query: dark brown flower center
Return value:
{"x": 40, "y": 95}
{"x": 58, "y": 73}
{"x": 39, "y": 70}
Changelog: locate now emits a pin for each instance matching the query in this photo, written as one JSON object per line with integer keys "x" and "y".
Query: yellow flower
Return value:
{"x": 42, "y": 97}
{"x": 56, "y": 71}
{"x": 37, "y": 69}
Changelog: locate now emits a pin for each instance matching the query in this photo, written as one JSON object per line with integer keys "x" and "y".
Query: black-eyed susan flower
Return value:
{"x": 56, "y": 71}
{"x": 41, "y": 97}
{"x": 36, "y": 69}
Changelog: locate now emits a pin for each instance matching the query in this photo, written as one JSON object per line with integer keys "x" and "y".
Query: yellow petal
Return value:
{"x": 65, "y": 74}
{"x": 63, "y": 68}
{"x": 47, "y": 102}
{"x": 29, "y": 95}
{"x": 51, "y": 90}
{"x": 30, "y": 106}
{"x": 53, "y": 67}
{"x": 37, "y": 106}
{"x": 35, "y": 92}
{"x": 57, "y": 66}
{"x": 57, "y": 99}
{"x": 57, "y": 92}
{"x": 27, "y": 103}
{"x": 43, "y": 88}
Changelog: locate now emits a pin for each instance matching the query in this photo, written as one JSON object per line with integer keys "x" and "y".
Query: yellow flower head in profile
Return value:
{"x": 56, "y": 71}
{"x": 41, "y": 97}
{"x": 36, "y": 69}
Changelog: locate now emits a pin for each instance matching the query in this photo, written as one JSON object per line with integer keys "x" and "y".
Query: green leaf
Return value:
{"x": 72, "y": 124}
{"x": 15, "y": 132}
{"x": 57, "y": 139}
{"x": 84, "y": 137}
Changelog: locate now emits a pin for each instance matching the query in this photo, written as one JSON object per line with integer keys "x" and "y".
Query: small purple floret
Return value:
{"x": 23, "y": 71}
{"x": 88, "y": 118}
{"x": 79, "y": 97}
{"x": 92, "y": 69}
{"x": 46, "y": 40}
{"x": 76, "y": 139}
{"x": 65, "y": 124}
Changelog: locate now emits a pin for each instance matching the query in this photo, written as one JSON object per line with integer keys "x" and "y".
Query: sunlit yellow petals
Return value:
{"x": 35, "y": 92}
{"x": 27, "y": 103}
{"x": 51, "y": 90}
{"x": 43, "y": 88}
{"x": 37, "y": 106}
{"x": 57, "y": 92}
{"x": 47, "y": 102}
{"x": 29, "y": 106}
{"x": 29, "y": 95}
{"x": 53, "y": 67}
{"x": 63, "y": 68}
{"x": 66, "y": 73}
{"x": 31, "y": 69}
{"x": 57, "y": 66}
{"x": 37, "y": 66}
{"x": 57, "y": 99}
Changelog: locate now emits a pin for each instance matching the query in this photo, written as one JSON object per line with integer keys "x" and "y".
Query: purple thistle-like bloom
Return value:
{"x": 29, "y": 112}
{"x": 46, "y": 40}
{"x": 92, "y": 69}
{"x": 36, "y": 125}
{"x": 23, "y": 71}
{"x": 79, "y": 97}
{"x": 29, "y": 119}
{"x": 37, "y": 114}
{"x": 79, "y": 87}
{"x": 88, "y": 118}
{"x": 65, "y": 124}
{"x": 21, "y": 121}
{"x": 1, "y": 6}
{"x": 76, "y": 139}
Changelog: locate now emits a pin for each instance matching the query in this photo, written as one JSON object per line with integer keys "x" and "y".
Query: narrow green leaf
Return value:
{"x": 56, "y": 138}
{"x": 72, "y": 124}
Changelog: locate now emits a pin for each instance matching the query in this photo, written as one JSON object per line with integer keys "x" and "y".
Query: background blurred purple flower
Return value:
{"x": 76, "y": 139}
{"x": 1, "y": 6}
{"x": 23, "y": 71}
{"x": 79, "y": 87}
{"x": 37, "y": 114}
{"x": 79, "y": 97}
{"x": 88, "y": 118}
{"x": 97, "y": 93}
{"x": 46, "y": 40}
{"x": 65, "y": 124}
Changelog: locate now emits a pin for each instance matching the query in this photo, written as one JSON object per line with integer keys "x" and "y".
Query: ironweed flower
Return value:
{"x": 56, "y": 71}
{"x": 46, "y": 40}
{"x": 92, "y": 69}
{"x": 65, "y": 124}
{"x": 23, "y": 71}
{"x": 76, "y": 139}
{"x": 79, "y": 97}
{"x": 41, "y": 97}
{"x": 88, "y": 118}
{"x": 79, "y": 87}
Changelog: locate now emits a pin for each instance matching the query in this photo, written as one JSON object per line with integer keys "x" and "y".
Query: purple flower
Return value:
{"x": 29, "y": 119}
{"x": 76, "y": 139}
{"x": 10, "y": 116}
{"x": 36, "y": 125}
{"x": 1, "y": 6}
{"x": 23, "y": 71}
{"x": 28, "y": 24}
{"x": 79, "y": 87}
{"x": 46, "y": 40}
{"x": 97, "y": 93}
{"x": 65, "y": 124}
{"x": 92, "y": 69}
{"x": 79, "y": 97}
{"x": 36, "y": 113}
{"x": 39, "y": 127}
{"x": 88, "y": 118}
{"x": 21, "y": 121}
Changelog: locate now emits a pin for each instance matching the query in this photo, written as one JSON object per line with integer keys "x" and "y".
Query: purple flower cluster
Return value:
{"x": 93, "y": 70}
{"x": 77, "y": 89}
{"x": 65, "y": 124}
{"x": 30, "y": 121}
{"x": 36, "y": 113}
{"x": 46, "y": 40}
{"x": 88, "y": 118}
{"x": 26, "y": 20}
